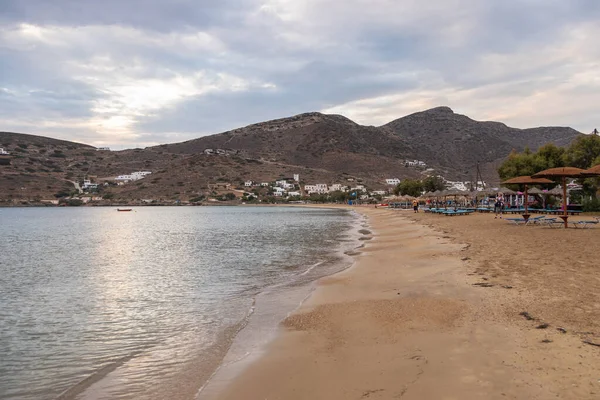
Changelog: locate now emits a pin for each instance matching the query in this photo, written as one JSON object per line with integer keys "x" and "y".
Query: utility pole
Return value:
{"x": 478, "y": 179}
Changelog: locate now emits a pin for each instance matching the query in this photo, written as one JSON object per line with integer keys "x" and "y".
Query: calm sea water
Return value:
{"x": 96, "y": 303}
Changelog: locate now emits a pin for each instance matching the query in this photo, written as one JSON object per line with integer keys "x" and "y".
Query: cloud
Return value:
{"x": 139, "y": 72}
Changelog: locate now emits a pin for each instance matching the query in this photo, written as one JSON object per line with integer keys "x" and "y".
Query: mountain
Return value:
{"x": 322, "y": 148}
{"x": 455, "y": 143}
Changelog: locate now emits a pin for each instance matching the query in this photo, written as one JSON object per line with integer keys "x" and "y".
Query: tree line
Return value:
{"x": 582, "y": 153}
{"x": 415, "y": 187}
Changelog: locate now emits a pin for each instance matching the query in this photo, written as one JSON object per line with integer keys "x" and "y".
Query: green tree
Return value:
{"x": 433, "y": 183}
{"x": 528, "y": 163}
{"x": 409, "y": 187}
{"x": 584, "y": 151}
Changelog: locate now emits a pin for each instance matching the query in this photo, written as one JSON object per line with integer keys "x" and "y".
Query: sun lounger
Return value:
{"x": 451, "y": 213}
{"x": 552, "y": 222}
{"x": 522, "y": 221}
{"x": 586, "y": 224}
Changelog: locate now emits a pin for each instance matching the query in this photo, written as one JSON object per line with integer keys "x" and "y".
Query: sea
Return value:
{"x": 155, "y": 303}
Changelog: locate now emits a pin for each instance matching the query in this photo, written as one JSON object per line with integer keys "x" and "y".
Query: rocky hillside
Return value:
{"x": 324, "y": 148}
{"x": 455, "y": 143}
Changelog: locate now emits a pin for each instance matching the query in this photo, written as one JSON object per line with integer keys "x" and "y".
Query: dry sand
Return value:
{"x": 431, "y": 310}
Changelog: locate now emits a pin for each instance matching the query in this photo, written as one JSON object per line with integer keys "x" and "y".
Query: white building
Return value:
{"x": 358, "y": 188}
{"x": 3, "y": 152}
{"x": 140, "y": 174}
{"x": 318, "y": 188}
{"x": 297, "y": 177}
{"x": 294, "y": 194}
{"x": 415, "y": 163}
{"x": 103, "y": 149}
{"x": 264, "y": 184}
{"x": 88, "y": 185}
{"x": 379, "y": 192}
{"x": 248, "y": 183}
{"x": 338, "y": 187}
{"x": 393, "y": 181}
{"x": 124, "y": 178}
{"x": 209, "y": 151}
{"x": 281, "y": 183}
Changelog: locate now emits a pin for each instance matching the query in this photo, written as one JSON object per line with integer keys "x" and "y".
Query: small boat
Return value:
{"x": 124, "y": 209}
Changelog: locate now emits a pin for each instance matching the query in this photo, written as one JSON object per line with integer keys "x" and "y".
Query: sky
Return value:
{"x": 135, "y": 73}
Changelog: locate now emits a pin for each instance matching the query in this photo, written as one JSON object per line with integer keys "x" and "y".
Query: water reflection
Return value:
{"x": 122, "y": 300}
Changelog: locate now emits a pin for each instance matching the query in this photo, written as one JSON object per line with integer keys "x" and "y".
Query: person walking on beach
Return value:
{"x": 415, "y": 205}
{"x": 498, "y": 206}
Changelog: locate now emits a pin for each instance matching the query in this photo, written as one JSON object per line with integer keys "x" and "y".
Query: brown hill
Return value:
{"x": 322, "y": 148}
{"x": 450, "y": 143}
{"x": 455, "y": 143}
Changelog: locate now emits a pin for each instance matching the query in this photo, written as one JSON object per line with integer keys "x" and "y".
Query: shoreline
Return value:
{"x": 406, "y": 321}
{"x": 245, "y": 348}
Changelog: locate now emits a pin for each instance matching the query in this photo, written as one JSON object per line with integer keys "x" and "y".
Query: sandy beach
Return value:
{"x": 443, "y": 308}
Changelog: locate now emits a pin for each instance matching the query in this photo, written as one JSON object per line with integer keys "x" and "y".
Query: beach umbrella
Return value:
{"x": 454, "y": 193}
{"x": 563, "y": 173}
{"x": 536, "y": 191}
{"x": 594, "y": 171}
{"x": 526, "y": 181}
{"x": 557, "y": 191}
{"x": 485, "y": 192}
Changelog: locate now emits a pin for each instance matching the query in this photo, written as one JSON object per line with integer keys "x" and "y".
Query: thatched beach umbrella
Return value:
{"x": 526, "y": 181}
{"x": 536, "y": 191}
{"x": 594, "y": 171}
{"x": 506, "y": 191}
{"x": 557, "y": 191}
{"x": 563, "y": 173}
{"x": 455, "y": 193}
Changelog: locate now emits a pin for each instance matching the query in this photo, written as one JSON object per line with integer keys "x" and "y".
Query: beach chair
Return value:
{"x": 552, "y": 222}
{"x": 515, "y": 221}
{"x": 536, "y": 220}
{"x": 521, "y": 221}
{"x": 586, "y": 224}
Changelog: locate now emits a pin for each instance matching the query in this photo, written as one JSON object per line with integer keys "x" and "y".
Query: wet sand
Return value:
{"x": 432, "y": 310}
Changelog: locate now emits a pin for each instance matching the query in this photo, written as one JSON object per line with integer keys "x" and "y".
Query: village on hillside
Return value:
{"x": 92, "y": 190}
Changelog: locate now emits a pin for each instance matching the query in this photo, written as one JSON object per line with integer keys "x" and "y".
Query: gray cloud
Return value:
{"x": 147, "y": 71}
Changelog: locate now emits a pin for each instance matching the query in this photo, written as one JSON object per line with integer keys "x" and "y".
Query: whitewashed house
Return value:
{"x": 297, "y": 177}
{"x": 88, "y": 185}
{"x": 393, "y": 181}
{"x": 319, "y": 188}
{"x": 124, "y": 178}
{"x": 264, "y": 184}
{"x": 3, "y": 152}
{"x": 103, "y": 149}
{"x": 248, "y": 183}
{"x": 338, "y": 187}
{"x": 379, "y": 192}
{"x": 140, "y": 174}
{"x": 209, "y": 151}
{"x": 359, "y": 188}
{"x": 294, "y": 194}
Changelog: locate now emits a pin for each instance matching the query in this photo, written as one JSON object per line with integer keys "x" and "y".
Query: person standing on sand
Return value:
{"x": 415, "y": 205}
{"x": 498, "y": 206}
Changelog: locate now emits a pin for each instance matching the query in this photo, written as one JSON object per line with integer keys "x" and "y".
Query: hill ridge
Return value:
{"x": 323, "y": 147}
